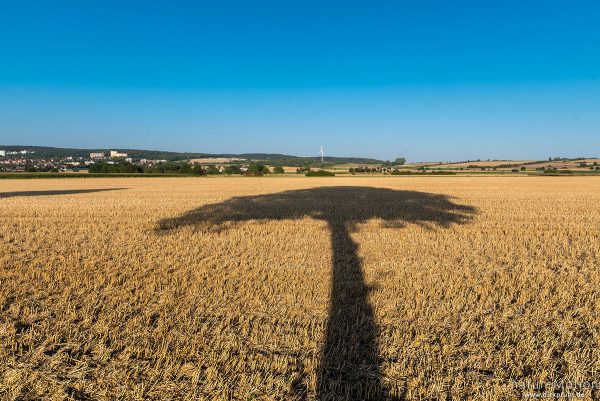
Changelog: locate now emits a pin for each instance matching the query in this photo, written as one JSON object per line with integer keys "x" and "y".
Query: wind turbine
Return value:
{"x": 322, "y": 153}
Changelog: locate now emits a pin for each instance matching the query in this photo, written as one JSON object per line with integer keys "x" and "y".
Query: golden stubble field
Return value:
{"x": 295, "y": 288}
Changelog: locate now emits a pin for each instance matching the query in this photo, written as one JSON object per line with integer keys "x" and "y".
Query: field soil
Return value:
{"x": 296, "y": 288}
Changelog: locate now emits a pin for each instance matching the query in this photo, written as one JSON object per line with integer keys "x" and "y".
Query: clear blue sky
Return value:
{"x": 430, "y": 80}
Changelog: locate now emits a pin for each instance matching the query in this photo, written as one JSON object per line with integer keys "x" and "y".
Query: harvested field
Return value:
{"x": 529, "y": 164}
{"x": 295, "y": 288}
{"x": 481, "y": 163}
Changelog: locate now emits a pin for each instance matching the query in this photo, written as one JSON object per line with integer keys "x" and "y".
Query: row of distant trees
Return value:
{"x": 365, "y": 169}
{"x": 184, "y": 168}
{"x": 120, "y": 167}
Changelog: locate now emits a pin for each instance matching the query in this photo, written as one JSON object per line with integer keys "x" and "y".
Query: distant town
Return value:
{"x": 26, "y": 161}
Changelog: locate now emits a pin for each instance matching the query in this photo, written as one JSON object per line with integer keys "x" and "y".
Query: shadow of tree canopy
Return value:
{"x": 55, "y": 192}
{"x": 350, "y": 366}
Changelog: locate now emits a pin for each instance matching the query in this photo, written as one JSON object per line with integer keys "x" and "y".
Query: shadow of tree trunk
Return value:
{"x": 350, "y": 363}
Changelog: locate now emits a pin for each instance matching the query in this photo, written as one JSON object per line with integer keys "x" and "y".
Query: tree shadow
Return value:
{"x": 350, "y": 365}
{"x": 55, "y": 192}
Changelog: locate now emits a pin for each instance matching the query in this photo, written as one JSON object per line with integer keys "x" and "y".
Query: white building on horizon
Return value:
{"x": 2, "y": 153}
{"x": 115, "y": 153}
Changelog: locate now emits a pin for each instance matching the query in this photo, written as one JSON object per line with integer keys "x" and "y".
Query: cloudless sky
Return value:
{"x": 429, "y": 80}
